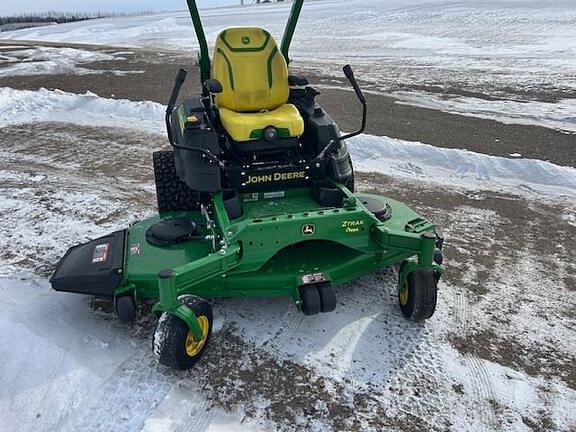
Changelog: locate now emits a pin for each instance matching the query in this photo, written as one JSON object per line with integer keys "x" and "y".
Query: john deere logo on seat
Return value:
{"x": 308, "y": 229}
{"x": 245, "y": 40}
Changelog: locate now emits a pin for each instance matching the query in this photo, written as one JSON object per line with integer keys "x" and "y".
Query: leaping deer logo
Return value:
{"x": 308, "y": 229}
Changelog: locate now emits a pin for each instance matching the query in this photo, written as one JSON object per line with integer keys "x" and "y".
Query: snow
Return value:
{"x": 53, "y": 356}
{"x": 462, "y": 167}
{"x": 509, "y": 49}
{"x": 67, "y": 365}
{"x": 570, "y": 218}
{"x": 68, "y": 368}
{"x": 388, "y": 156}
{"x": 92, "y": 367}
{"x": 471, "y": 34}
{"x": 48, "y": 60}
{"x": 559, "y": 115}
{"x": 23, "y": 106}
{"x": 185, "y": 405}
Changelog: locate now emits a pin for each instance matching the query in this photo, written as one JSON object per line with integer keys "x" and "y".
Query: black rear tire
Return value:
{"x": 171, "y": 338}
{"x": 172, "y": 193}
{"x": 418, "y": 296}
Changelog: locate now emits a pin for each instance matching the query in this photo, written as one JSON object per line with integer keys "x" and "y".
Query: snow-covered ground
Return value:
{"x": 44, "y": 60}
{"x": 560, "y": 115}
{"x": 510, "y": 49}
{"x": 69, "y": 365}
{"x": 499, "y": 353}
{"x": 27, "y": 61}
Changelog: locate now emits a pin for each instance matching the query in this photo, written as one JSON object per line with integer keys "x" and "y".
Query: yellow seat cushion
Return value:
{"x": 250, "y": 126}
{"x": 251, "y": 69}
{"x": 254, "y": 77}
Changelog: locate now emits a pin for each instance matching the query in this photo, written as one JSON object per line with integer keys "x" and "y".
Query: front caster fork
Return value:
{"x": 430, "y": 257}
{"x": 169, "y": 303}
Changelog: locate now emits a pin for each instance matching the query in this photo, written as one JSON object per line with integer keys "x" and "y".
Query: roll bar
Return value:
{"x": 204, "y": 55}
{"x": 291, "y": 27}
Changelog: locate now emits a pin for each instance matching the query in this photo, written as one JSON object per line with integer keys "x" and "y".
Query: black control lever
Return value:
{"x": 180, "y": 78}
{"x": 334, "y": 143}
{"x": 350, "y": 75}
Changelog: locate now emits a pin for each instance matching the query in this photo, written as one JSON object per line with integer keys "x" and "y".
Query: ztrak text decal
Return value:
{"x": 353, "y": 226}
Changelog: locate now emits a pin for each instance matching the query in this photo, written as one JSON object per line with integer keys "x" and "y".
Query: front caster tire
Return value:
{"x": 174, "y": 346}
{"x": 418, "y": 295}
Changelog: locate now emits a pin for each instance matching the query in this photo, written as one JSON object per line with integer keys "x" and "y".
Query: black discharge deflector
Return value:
{"x": 93, "y": 268}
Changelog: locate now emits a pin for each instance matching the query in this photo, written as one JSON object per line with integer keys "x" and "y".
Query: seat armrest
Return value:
{"x": 299, "y": 81}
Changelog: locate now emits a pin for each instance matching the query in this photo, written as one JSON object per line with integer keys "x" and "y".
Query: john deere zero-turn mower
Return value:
{"x": 255, "y": 198}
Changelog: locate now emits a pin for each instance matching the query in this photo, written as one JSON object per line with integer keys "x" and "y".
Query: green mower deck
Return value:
{"x": 274, "y": 245}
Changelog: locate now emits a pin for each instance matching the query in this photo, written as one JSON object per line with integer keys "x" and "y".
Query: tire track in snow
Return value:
{"x": 287, "y": 327}
{"x": 423, "y": 398}
{"x": 183, "y": 409}
{"x": 483, "y": 391}
{"x": 461, "y": 308}
{"x": 418, "y": 362}
{"x": 199, "y": 416}
{"x": 126, "y": 399}
{"x": 481, "y": 385}
{"x": 218, "y": 324}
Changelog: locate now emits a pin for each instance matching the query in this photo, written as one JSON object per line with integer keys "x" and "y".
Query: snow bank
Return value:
{"x": 378, "y": 154}
{"x": 23, "y": 106}
{"x": 461, "y": 167}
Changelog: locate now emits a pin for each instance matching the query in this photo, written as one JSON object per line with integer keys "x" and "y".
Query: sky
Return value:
{"x": 10, "y": 7}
